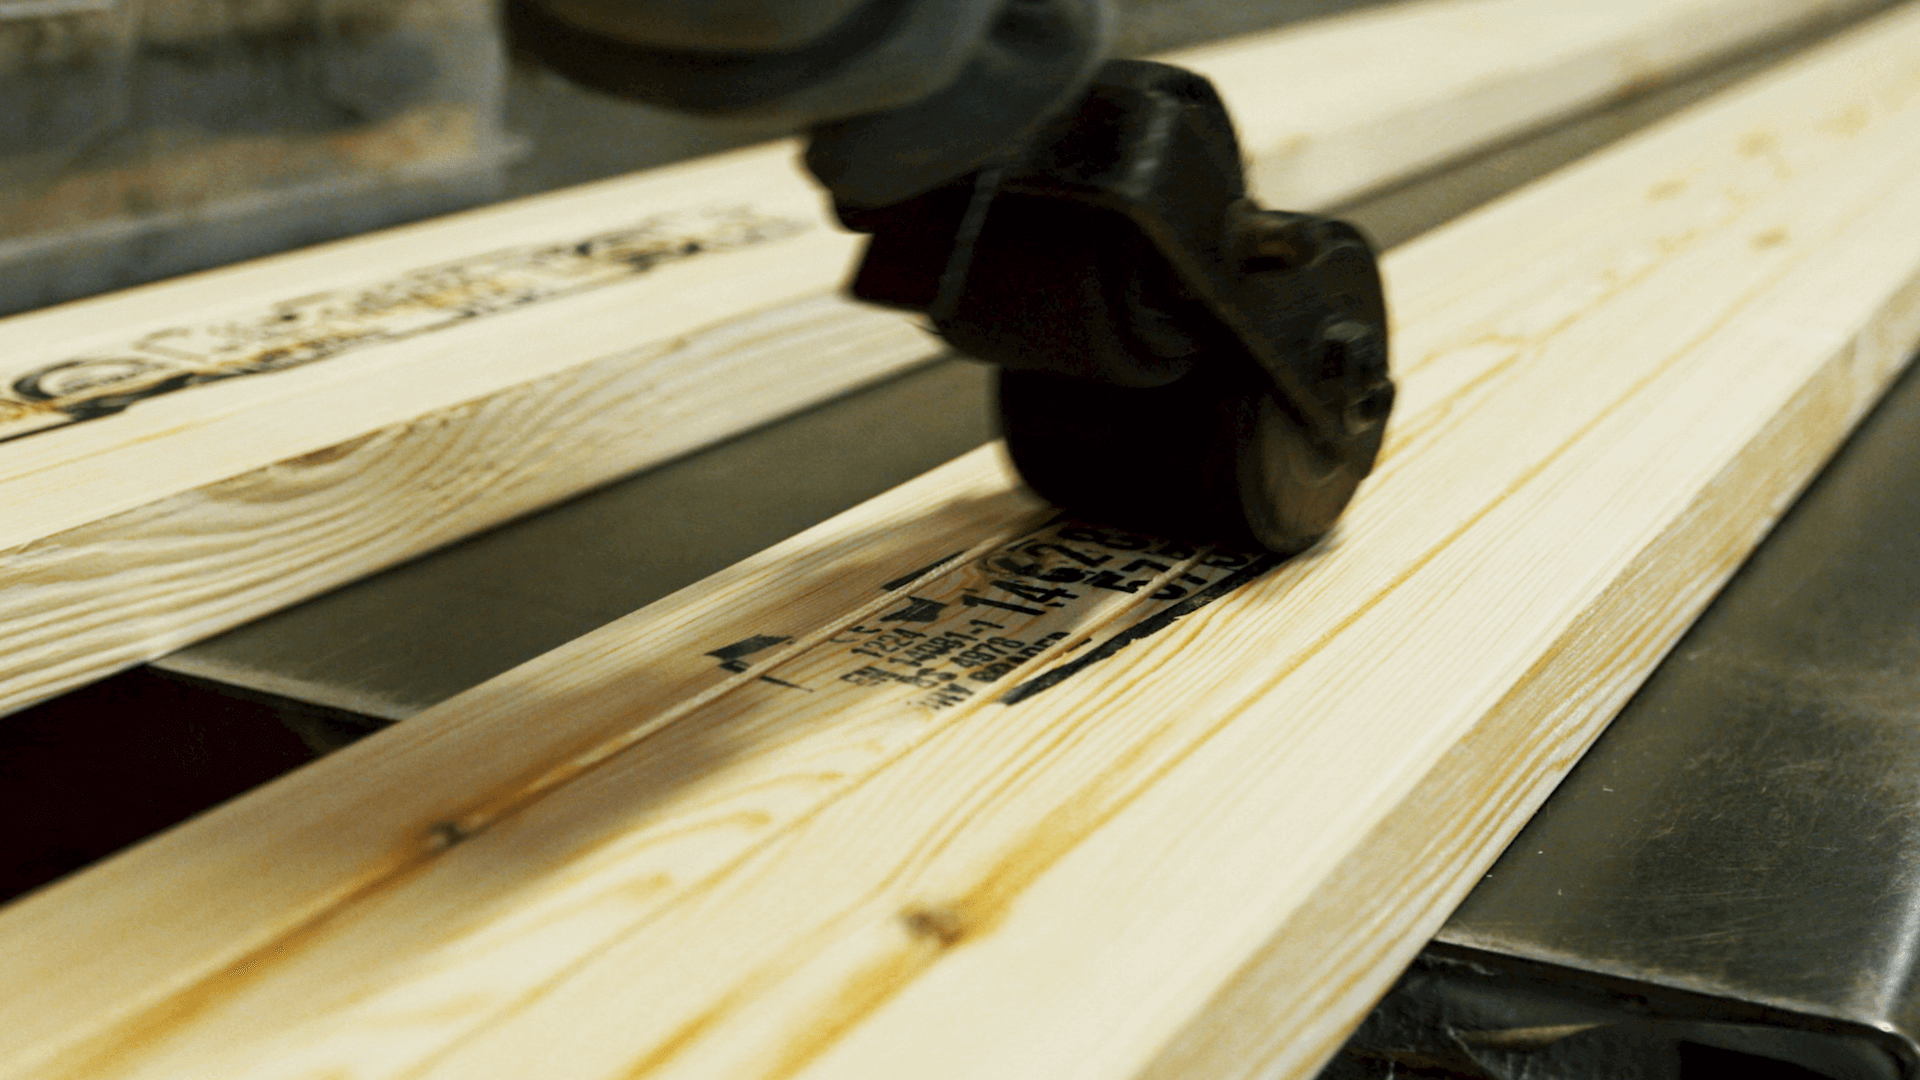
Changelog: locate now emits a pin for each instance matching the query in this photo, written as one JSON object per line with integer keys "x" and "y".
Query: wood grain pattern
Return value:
{"x": 1203, "y": 854}
{"x": 315, "y": 824}
{"x": 497, "y": 361}
{"x": 1378, "y": 95}
{"x": 315, "y": 521}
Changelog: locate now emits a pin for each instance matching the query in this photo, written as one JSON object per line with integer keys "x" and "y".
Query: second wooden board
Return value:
{"x": 178, "y": 459}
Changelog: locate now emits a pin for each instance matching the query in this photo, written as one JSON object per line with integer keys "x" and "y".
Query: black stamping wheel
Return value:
{"x": 1213, "y": 456}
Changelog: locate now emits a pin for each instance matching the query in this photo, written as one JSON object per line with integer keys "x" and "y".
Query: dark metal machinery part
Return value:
{"x": 899, "y": 96}
{"x": 1175, "y": 359}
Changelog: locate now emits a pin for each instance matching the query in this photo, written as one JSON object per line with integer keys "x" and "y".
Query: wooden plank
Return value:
{"x": 1376, "y": 96}
{"x": 719, "y": 839}
{"x": 308, "y": 419}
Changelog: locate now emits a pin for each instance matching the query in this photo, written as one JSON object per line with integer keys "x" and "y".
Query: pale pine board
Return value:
{"x": 1378, "y": 95}
{"x": 1202, "y": 856}
{"x": 129, "y": 536}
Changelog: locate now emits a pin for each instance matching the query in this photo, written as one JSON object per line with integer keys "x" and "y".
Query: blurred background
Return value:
{"x": 140, "y": 139}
